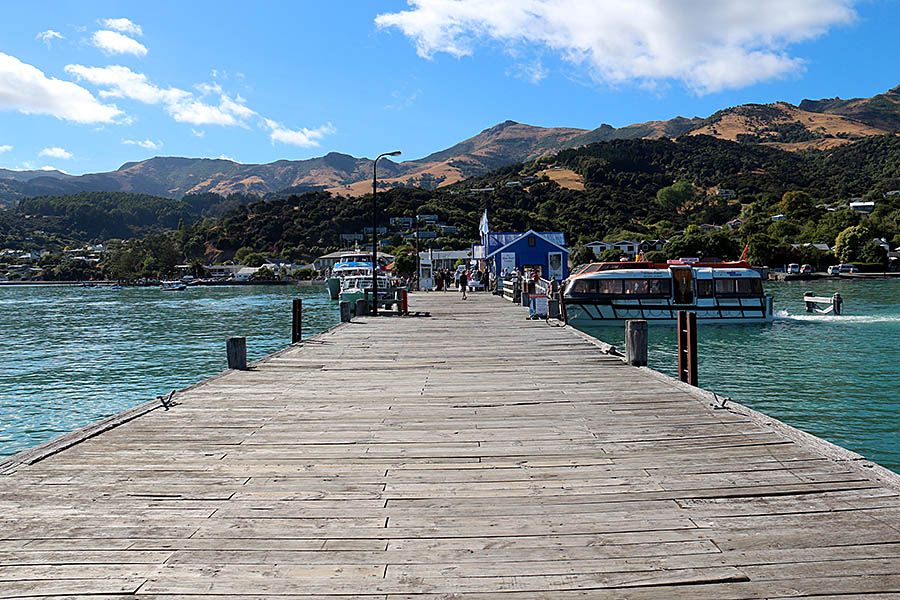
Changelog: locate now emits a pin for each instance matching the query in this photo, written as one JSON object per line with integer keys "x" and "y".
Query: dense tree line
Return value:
{"x": 633, "y": 189}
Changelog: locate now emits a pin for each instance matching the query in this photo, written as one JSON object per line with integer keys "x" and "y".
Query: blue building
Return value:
{"x": 544, "y": 252}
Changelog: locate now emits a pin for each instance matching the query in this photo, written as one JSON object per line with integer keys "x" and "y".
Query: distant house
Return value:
{"x": 445, "y": 259}
{"x": 599, "y": 247}
{"x": 423, "y": 235}
{"x": 651, "y": 245}
{"x": 245, "y": 273}
{"x": 510, "y": 184}
{"x": 724, "y": 192}
{"x": 277, "y": 264}
{"x": 627, "y": 246}
{"x": 891, "y": 193}
{"x": 223, "y": 271}
{"x": 707, "y": 227}
{"x": 777, "y": 217}
{"x": 479, "y": 190}
{"x": 861, "y": 206}
{"x": 735, "y": 224}
{"x": 405, "y": 222}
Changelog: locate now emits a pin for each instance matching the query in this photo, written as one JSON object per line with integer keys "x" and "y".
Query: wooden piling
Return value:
{"x": 345, "y": 311}
{"x": 687, "y": 347}
{"x": 362, "y": 307}
{"x": 236, "y": 350}
{"x": 297, "y": 312}
{"x": 636, "y": 342}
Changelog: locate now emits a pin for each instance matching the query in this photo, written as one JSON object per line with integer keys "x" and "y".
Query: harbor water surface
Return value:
{"x": 74, "y": 355}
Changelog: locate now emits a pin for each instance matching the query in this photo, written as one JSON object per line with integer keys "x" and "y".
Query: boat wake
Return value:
{"x": 783, "y": 315}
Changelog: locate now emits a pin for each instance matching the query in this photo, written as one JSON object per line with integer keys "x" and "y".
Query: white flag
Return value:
{"x": 483, "y": 226}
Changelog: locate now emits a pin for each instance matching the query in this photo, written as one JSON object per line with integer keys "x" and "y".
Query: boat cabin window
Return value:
{"x": 704, "y": 288}
{"x": 619, "y": 287}
{"x": 741, "y": 286}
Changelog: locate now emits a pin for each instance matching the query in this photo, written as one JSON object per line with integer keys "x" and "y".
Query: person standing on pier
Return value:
{"x": 463, "y": 283}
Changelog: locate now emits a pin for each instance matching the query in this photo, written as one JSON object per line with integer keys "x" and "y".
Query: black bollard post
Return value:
{"x": 687, "y": 347}
{"x": 236, "y": 350}
{"x": 345, "y": 311}
{"x": 297, "y": 321}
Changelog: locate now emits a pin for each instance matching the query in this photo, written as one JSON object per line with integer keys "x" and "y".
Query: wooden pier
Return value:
{"x": 472, "y": 455}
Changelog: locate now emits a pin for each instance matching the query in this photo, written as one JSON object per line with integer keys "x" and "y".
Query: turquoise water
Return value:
{"x": 834, "y": 377}
{"x": 72, "y": 356}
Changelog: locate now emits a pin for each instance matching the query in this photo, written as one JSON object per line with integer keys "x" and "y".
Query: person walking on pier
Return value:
{"x": 463, "y": 283}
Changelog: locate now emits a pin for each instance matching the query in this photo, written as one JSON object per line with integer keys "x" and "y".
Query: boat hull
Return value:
{"x": 334, "y": 287}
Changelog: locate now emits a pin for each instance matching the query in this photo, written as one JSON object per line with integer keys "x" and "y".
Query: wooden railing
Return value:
{"x": 511, "y": 290}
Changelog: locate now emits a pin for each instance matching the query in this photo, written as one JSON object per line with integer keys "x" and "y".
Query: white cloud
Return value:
{"x": 48, "y": 36}
{"x": 533, "y": 72}
{"x": 710, "y": 45}
{"x": 184, "y": 106}
{"x": 26, "y": 89}
{"x": 5, "y": 148}
{"x": 123, "y": 26}
{"x": 146, "y": 144}
{"x": 122, "y": 82}
{"x": 56, "y": 152}
{"x": 190, "y": 107}
{"x": 112, "y": 42}
{"x": 29, "y": 166}
{"x": 403, "y": 100}
{"x": 297, "y": 137}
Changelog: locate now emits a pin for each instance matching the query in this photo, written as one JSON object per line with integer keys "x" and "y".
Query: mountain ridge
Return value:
{"x": 813, "y": 124}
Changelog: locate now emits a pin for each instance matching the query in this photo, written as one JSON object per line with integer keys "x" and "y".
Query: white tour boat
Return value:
{"x": 612, "y": 292}
{"x": 352, "y": 264}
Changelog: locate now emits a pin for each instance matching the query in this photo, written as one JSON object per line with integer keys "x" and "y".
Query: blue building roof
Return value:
{"x": 497, "y": 240}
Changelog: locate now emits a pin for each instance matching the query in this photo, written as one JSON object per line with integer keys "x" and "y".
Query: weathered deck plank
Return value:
{"x": 473, "y": 455}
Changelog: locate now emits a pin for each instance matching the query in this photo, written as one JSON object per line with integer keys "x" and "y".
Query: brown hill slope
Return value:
{"x": 501, "y": 145}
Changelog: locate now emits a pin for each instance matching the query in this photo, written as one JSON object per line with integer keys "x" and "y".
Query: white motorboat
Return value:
{"x": 613, "y": 292}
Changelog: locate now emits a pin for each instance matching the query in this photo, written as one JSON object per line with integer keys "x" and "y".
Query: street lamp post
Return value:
{"x": 418, "y": 283}
{"x": 375, "y": 230}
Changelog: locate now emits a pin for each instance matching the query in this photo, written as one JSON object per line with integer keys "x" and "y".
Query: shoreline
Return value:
{"x": 109, "y": 284}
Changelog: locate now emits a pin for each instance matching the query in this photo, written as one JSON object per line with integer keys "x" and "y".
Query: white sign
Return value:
{"x": 539, "y": 305}
{"x": 554, "y": 260}
{"x": 507, "y": 261}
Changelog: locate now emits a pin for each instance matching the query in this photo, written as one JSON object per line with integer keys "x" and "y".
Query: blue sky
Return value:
{"x": 87, "y": 86}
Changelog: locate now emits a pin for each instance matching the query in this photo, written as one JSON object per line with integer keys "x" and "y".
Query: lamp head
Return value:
{"x": 394, "y": 153}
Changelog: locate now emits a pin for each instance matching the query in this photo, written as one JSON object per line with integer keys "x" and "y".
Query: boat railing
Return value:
{"x": 823, "y": 305}
{"x": 389, "y": 297}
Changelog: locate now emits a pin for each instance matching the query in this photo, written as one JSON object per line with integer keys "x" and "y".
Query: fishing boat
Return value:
{"x": 172, "y": 286}
{"x": 609, "y": 293}
{"x": 351, "y": 264}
